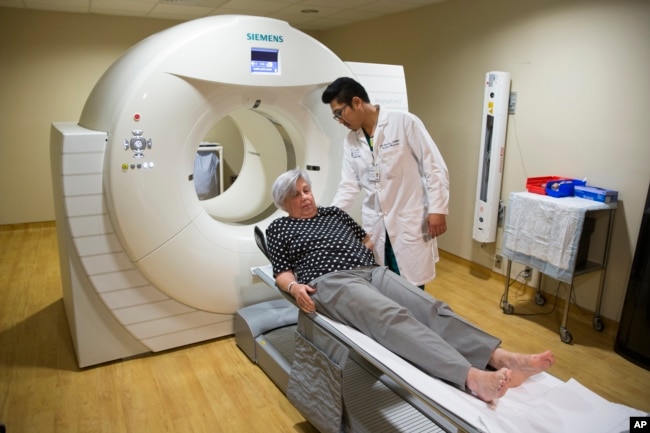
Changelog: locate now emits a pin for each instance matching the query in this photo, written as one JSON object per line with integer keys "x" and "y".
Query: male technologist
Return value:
{"x": 393, "y": 159}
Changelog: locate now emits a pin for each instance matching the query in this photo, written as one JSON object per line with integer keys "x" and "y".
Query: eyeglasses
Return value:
{"x": 338, "y": 113}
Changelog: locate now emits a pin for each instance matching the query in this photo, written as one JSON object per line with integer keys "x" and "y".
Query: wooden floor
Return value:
{"x": 213, "y": 387}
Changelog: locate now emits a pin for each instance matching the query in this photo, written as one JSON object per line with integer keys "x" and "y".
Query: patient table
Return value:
{"x": 358, "y": 394}
{"x": 343, "y": 381}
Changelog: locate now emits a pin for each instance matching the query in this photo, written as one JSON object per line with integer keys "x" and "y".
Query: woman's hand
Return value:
{"x": 301, "y": 293}
{"x": 287, "y": 282}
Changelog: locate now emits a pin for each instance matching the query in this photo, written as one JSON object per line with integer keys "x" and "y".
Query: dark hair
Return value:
{"x": 343, "y": 90}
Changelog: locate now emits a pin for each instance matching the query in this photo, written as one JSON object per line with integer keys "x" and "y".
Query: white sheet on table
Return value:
{"x": 543, "y": 404}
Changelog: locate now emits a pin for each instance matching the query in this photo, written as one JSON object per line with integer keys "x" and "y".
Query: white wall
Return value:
{"x": 580, "y": 69}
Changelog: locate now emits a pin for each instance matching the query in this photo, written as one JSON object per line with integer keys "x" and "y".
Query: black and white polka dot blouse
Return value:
{"x": 328, "y": 242}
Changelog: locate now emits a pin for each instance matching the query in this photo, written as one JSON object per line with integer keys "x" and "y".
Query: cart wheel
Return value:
{"x": 565, "y": 335}
{"x": 507, "y": 308}
{"x": 598, "y": 324}
{"x": 540, "y": 299}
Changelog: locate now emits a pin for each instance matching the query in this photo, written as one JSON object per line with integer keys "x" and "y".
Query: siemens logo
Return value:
{"x": 264, "y": 38}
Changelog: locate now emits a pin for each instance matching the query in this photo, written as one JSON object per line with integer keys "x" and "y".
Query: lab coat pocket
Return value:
{"x": 412, "y": 226}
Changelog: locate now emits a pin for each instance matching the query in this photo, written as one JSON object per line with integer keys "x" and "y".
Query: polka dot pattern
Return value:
{"x": 328, "y": 242}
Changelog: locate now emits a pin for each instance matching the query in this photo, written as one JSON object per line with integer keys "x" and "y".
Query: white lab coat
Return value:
{"x": 413, "y": 182}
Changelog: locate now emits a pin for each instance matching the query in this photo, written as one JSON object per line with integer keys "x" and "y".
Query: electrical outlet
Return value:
{"x": 527, "y": 272}
{"x": 497, "y": 261}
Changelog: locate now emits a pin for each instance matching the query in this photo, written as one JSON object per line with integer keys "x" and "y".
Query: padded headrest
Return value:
{"x": 260, "y": 240}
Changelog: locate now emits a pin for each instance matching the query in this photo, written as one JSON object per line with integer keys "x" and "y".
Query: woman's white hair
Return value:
{"x": 285, "y": 186}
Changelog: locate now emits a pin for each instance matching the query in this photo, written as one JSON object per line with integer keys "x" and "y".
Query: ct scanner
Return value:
{"x": 146, "y": 266}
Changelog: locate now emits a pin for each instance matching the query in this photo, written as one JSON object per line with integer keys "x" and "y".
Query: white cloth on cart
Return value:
{"x": 544, "y": 232}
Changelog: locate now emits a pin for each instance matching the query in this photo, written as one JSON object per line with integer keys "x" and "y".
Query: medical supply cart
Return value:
{"x": 546, "y": 233}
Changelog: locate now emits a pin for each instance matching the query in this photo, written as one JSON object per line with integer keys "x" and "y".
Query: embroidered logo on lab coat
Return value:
{"x": 355, "y": 153}
{"x": 390, "y": 144}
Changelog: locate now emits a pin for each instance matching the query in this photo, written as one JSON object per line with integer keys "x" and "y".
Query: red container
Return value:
{"x": 537, "y": 185}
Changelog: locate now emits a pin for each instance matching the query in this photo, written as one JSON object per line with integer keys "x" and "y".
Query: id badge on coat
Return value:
{"x": 373, "y": 173}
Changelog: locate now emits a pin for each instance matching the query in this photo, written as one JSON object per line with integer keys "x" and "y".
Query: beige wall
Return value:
{"x": 49, "y": 63}
{"x": 580, "y": 69}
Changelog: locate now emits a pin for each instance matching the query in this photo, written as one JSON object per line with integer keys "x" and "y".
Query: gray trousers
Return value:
{"x": 405, "y": 320}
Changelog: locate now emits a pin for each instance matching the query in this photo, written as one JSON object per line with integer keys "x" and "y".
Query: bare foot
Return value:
{"x": 523, "y": 366}
{"x": 488, "y": 385}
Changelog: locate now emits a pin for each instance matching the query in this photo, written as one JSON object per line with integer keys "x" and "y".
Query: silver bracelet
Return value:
{"x": 289, "y": 286}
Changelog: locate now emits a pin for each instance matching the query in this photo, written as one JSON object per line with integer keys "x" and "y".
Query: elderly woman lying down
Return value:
{"x": 321, "y": 257}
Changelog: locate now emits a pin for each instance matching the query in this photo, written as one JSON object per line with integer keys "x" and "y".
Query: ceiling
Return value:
{"x": 301, "y": 14}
